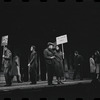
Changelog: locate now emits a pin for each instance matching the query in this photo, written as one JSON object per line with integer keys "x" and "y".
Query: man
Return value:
{"x": 49, "y": 58}
{"x": 33, "y": 66}
{"x": 97, "y": 63}
{"x": 78, "y": 65}
{"x": 7, "y": 64}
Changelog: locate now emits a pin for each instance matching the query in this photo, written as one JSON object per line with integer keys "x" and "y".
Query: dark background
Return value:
{"x": 37, "y": 23}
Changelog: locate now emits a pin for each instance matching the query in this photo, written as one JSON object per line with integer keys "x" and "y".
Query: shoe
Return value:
{"x": 7, "y": 85}
{"x": 61, "y": 82}
{"x": 51, "y": 84}
{"x": 32, "y": 83}
{"x": 73, "y": 78}
{"x": 19, "y": 81}
{"x": 58, "y": 82}
{"x": 81, "y": 78}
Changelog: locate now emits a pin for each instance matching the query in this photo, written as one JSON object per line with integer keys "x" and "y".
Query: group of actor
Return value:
{"x": 54, "y": 65}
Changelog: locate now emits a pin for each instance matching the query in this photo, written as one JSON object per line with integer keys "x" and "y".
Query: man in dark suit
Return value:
{"x": 33, "y": 66}
{"x": 49, "y": 58}
{"x": 78, "y": 65}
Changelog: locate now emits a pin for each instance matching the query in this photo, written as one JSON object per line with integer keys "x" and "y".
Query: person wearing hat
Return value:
{"x": 33, "y": 65}
{"x": 49, "y": 59}
{"x": 7, "y": 65}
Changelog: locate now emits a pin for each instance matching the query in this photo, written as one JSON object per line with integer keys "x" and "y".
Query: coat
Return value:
{"x": 47, "y": 55}
{"x": 59, "y": 71}
{"x": 7, "y": 62}
{"x": 78, "y": 61}
{"x": 92, "y": 65}
{"x": 33, "y": 60}
{"x": 15, "y": 66}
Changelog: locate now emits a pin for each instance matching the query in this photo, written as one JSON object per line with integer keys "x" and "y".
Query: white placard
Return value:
{"x": 61, "y": 39}
{"x": 4, "y": 40}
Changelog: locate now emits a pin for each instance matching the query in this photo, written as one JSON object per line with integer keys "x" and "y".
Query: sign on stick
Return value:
{"x": 61, "y": 39}
{"x": 4, "y": 40}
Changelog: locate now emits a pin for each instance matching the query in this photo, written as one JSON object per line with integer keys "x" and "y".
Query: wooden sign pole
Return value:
{"x": 63, "y": 50}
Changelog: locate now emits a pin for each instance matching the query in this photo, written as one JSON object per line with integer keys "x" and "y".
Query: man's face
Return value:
{"x": 31, "y": 48}
{"x": 50, "y": 46}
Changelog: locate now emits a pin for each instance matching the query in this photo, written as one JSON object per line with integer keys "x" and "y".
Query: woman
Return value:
{"x": 92, "y": 67}
{"x": 59, "y": 65}
{"x": 16, "y": 68}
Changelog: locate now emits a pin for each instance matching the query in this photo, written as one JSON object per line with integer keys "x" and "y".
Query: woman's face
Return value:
{"x": 57, "y": 48}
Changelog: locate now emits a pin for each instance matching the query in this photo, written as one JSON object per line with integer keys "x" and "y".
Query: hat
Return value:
{"x": 33, "y": 46}
{"x": 50, "y": 43}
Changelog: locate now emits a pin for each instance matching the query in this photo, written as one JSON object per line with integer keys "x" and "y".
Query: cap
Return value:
{"x": 50, "y": 43}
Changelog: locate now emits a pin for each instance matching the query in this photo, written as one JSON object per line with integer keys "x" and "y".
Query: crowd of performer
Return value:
{"x": 54, "y": 65}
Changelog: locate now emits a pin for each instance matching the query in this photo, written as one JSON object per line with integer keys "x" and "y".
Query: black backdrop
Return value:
{"x": 38, "y": 23}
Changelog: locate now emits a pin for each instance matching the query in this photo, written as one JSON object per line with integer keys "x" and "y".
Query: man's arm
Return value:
{"x": 33, "y": 57}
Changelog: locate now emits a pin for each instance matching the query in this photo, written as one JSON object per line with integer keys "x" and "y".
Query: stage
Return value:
{"x": 70, "y": 90}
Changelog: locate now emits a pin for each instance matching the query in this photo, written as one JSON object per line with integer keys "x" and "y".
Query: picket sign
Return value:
{"x": 4, "y": 42}
{"x": 61, "y": 40}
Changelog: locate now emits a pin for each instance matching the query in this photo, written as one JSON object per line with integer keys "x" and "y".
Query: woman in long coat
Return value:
{"x": 92, "y": 67}
{"x": 15, "y": 71}
{"x": 59, "y": 71}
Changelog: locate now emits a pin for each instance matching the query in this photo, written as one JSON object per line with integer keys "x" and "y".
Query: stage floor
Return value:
{"x": 40, "y": 84}
{"x": 70, "y": 90}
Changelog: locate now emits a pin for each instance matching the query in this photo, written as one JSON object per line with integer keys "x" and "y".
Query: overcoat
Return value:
{"x": 7, "y": 63}
{"x": 59, "y": 71}
{"x": 15, "y": 66}
{"x": 92, "y": 65}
